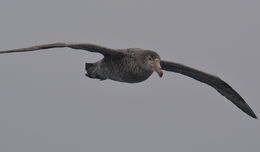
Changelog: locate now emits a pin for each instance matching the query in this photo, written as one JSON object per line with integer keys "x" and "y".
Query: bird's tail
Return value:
{"x": 88, "y": 66}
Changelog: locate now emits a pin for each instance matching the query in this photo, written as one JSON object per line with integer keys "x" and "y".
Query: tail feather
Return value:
{"x": 88, "y": 65}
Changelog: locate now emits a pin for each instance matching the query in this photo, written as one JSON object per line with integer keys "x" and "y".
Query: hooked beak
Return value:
{"x": 157, "y": 67}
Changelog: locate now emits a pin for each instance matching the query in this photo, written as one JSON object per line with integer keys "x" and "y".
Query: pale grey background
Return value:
{"x": 48, "y": 105}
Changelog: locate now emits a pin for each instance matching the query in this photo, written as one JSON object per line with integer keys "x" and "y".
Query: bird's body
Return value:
{"x": 135, "y": 65}
{"x": 124, "y": 68}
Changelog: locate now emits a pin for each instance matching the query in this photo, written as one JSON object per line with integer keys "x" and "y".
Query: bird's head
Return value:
{"x": 152, "y": 61}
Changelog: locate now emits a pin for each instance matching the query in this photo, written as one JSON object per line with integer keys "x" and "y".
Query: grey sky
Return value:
{"x": 47, "y": 104}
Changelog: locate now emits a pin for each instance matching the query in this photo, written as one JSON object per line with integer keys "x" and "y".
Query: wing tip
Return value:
{"x": 252, "y": 115}
{"x": 249, "y": 111}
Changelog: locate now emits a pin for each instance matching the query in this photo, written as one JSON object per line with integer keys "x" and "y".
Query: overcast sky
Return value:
{"x": 48, "y": 105}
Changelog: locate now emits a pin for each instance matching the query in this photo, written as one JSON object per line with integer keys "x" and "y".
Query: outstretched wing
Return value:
{"x": 83, "y": 46}
{"x": 221, "y": 86}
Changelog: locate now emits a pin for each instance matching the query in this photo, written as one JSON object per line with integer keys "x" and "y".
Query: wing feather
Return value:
{"x": 83, "y": 46}
{"x": 221, "y": 86}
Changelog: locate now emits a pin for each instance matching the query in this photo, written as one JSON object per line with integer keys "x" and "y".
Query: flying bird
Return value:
{"x": 133, "y": 65}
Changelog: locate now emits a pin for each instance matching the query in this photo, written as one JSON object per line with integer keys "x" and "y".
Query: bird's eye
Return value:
{"x": 150, "y": 58}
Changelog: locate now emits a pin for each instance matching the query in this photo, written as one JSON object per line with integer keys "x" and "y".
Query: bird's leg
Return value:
{"x": 95, "y": 77}
{"x": 89, "y": 76}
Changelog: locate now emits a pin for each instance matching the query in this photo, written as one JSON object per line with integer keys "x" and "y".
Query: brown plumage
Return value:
{"x": 135, "y": 65}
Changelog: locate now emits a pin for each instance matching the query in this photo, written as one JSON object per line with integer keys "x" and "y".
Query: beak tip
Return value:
{"x": 161, "y": 74}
